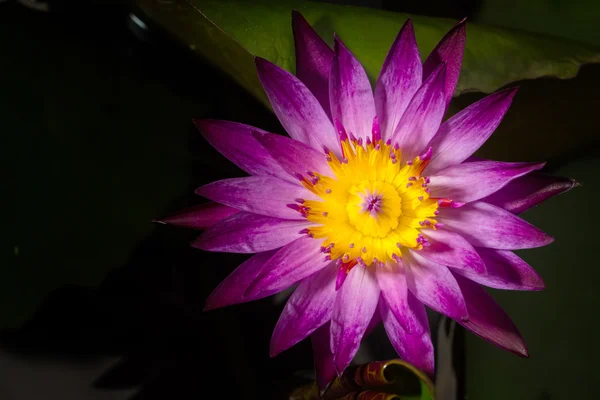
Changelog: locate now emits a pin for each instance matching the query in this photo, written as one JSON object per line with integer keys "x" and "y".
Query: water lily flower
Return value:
{"x": 374, "y": 207}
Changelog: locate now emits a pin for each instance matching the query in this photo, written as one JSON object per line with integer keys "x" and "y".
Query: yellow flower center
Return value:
{"x": 373, "y": 207}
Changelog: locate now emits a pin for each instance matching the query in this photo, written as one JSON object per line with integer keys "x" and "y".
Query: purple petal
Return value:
{"x": 505, "y": 270}
{"x": 295, "y": 157}
{"x": 399, "y": 80}
{"x": 350, "y": 93}
{"x": 231, "y": 290}
{"x": 485, "y": 225}
{"x": 450, "y": 51}
{"x": 354, "y": 307}
{"x": 250, "y": 233}
{"x": 313, "y": 59}
{"x": 309, "y": 308}
{"x": 293, "y": 262}
{"x": 298, "y": 110}
{"x": 452, "y": 250}
{"x": 199, "y": 217}
{"x": 392, "y": 281}
{"x": 528, "y": 191}
{"x": 434, "y": 285}
{"x": 416, "y": 347}
{"x": 323, "y": 356}
{"x": 257, "y": 194}
{"x": 488, "y": 321}
{"x": 462, "y": 134}
{"x": 236, "y": 142}
{"x": 423, "y": 116}
{"x": 375, "y": 320}
{"x": 474, "y": 180}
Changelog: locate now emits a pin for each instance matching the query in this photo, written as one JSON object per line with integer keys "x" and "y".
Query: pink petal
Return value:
{"x": 257, "y": 194}
{"x": 293, "y": 262}
{"x": 485, "y": 225}
{"x": 452, "y": 250}
{"x": 231, "y": 290}
{"x": 392, "y": 281}
{"x": 474, "y": 180}
{"x": 313, "y": 59}
{"x": 354, "y": 307}
{"x": 423, "y": 116}
{"x": 505, "y": 270}
{"x": 416, "y": 347}
{"x": 308, "y": 308}
{"x": 236, "y": 142}
{"x": 199, "y": 217}
{"x": 488, "y": 321}
{"x": 323, "y": 356}
{"x": 350, "y": 93}
{"x": 434, "y": 285}
{"x": 462, "y": 134}
{"x": 250, "y": 233}
{"x": 298, "y": 110}
{"x": 528, "y": 191}
{"x": 295, "y": 157}
{"x": 400, "y": 78}
{"x": 450, "y": 51}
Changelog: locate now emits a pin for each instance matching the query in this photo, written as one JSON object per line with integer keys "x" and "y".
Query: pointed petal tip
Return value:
{"x": 575, "y": 184}
{"x": 158, "y": 221}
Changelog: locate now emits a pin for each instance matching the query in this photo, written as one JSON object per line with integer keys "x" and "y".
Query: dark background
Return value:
{"x": 97, "y": 302}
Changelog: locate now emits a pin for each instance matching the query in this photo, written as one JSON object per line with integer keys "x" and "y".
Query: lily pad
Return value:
{"x": 229, "y": 33}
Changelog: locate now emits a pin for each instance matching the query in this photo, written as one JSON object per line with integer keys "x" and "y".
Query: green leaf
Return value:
{"x": 228, "y": 33}
{"x": 573, "y": 19}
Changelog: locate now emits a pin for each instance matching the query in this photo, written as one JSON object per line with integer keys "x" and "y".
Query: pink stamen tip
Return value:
{"x": 331, "y": 245}
{"x": 303, "y": 231}
{"x": 412, "y": 178}
{"x": 428, "y": 190}
{"x": 436, "y": 212}
{"x": 327, "y": 258}
{"x": 375, "y": 260}
{"x": 409, "y": 163}
{"x": 381, "y": 264}
{"x": 360, "y": 141}
{"x": 422, "y": 223}
{"x": 346, "y": 256}
{"x": 394, "y": 161}
{"x": 364, "y": 249}
{"x": 396, "y": 257}
{"x": 299, "y": 200}
{"x": 325, "y": 213}
{"x": 294, "y": 207}
{"x": 377, "y": 147}
{"x": 298, "y": 176}
{"x": 376, "y": 130}
{"x": 309, "y": 173}
{"x": 423, "y": 185}
{"x": 397, "y": 146}
{"x": 409, "y": 184}
{"x": 427, "y": 155}
{"x": 328, "y": 191}
{"x": 351, "y": 245}
{"x": 427, "y": 222}
{"x": 323, "y": 249}
{"x": 388, "y": 142}
{"x": 438, "y": 225}
{"x": 420, "y": 198}
{"x": 426, "y": 244}
{"x": 328, "y": 158}
{"x": 398, "y": 245}
{"x": 326, "y": 150}
{"x": 368, "y": 141}
{"x": 340, "y": 130}
{"x": 427, "y": 180}
{"x": 345, "y": 160}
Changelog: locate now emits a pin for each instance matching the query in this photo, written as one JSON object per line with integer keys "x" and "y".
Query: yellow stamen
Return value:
{"x": 371, "y": 208}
